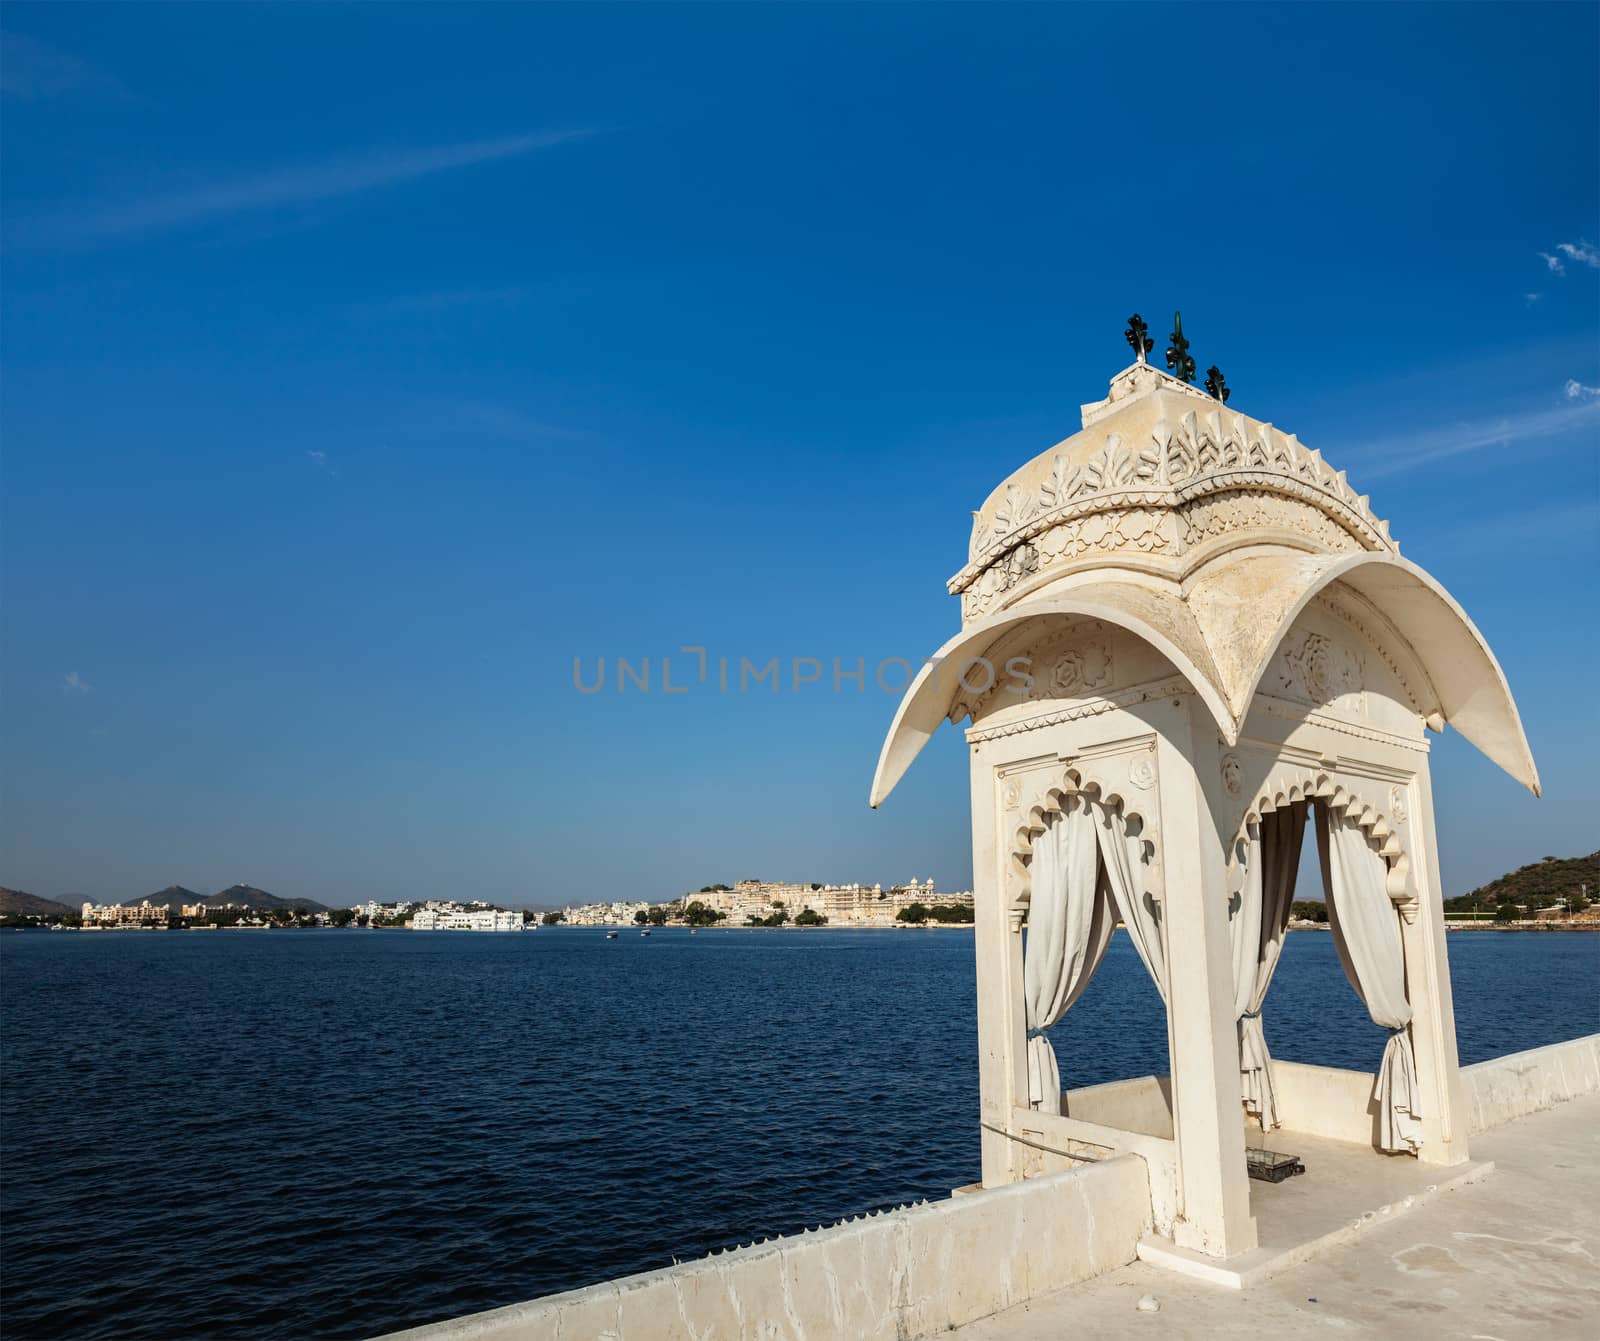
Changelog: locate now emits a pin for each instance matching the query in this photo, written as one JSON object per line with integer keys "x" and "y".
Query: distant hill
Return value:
{"x": 252, "y": 897}
{"x": 15, "y": 903}
{"x": 171, "y": 897}
{"x": 247, "y": 896}
{"x": 1552, "y": 878}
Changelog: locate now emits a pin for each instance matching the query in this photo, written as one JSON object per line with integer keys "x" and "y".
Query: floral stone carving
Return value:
{"x": 1319, "y": 670}
{"x": 1079, "y": 669}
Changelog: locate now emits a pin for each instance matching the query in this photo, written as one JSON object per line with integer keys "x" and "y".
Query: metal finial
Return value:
{"x": 1178, "y": 359}
{"x": 1215, "y": 385}
{"x": 1140, "y": 343}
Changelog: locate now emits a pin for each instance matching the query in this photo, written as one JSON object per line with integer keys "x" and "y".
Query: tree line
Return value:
{"x": 918, "y": 913}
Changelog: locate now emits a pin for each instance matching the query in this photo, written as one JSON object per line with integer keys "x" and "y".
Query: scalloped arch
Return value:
{"x": 1073, "y": 783}
{"x": 1312, "y": 785}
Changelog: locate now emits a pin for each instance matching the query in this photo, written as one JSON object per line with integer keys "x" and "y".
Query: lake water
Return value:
{"x": 287, "y": 1134}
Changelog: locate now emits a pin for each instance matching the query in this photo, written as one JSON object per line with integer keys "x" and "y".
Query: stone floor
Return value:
{"x": 1345, "y": 1189}
{"x": 1511, "y": 1255}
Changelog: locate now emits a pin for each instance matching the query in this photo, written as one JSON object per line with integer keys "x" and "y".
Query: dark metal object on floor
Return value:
{"x": 1271, "y": 1167}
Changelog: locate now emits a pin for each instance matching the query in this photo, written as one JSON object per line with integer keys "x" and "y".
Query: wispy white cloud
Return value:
{"x": 1582, "y": 252}
{"x": 1577, "y": 391}
{"x": 73, "y": 683}
{"x": 1529, "y": 299}
{"x": 302, "y": 185}
{"x": 1392, "y": 456}
{"x": 31, "y": 70}
{"x": 319, "y": 459}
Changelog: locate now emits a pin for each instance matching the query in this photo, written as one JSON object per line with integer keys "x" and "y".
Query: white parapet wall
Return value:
{"x": 898, "y": 1275}
{"x": 1143, "y": 1104}
{"x": 1529, "y": 1082}
{"x": 1325, "y": 1101}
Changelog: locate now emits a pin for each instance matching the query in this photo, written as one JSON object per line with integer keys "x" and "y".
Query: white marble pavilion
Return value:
{"x": 1186, "y": 640}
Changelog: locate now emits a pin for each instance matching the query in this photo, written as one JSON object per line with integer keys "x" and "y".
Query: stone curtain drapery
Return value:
{"x": 1257, "y": 925}
{"x": 1366, "y": 933}
{"x": 1069, "y": 926}
{"x": 1123, "y": 860}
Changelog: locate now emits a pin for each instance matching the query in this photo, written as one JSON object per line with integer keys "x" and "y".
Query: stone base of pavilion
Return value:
{"x": 1509, "y": 1256}
{"x": 1346, "y": 1190}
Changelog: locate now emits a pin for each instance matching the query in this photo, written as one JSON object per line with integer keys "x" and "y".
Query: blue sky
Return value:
{"x": 364, "y": 366}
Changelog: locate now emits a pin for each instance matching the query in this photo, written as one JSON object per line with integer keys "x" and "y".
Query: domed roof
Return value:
{"x": 1142, "y": 480}
{"x": 1205, "y": 533}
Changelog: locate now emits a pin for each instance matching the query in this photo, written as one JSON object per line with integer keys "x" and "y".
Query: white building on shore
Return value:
{"x": 838, "y": 903}
{"x": 465, "y": 919}
{"x": 602, "y": 914}
{"x": 119, "y": 915}
{"x": 372, "y": 910}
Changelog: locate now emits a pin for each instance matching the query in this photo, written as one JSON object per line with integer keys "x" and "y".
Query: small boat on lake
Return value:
{"x": 644, "y": 933}
{"x": 611, "y": 935}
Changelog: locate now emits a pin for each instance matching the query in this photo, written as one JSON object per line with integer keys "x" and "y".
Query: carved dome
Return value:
{"x": 1205, "y": 534}
{"x": 1162, "y": 478}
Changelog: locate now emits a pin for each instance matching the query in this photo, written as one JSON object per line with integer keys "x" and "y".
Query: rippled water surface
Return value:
{"x": 335, "y": 1134}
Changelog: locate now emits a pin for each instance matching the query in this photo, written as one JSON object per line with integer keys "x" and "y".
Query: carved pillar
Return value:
{"x": 1214, "y": 1212}
{"x": 998, "y": 950}
{"x": 1433, "y": 1019}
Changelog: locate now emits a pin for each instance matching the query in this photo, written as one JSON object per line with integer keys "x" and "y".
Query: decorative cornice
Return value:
{"x": 1126, "y": 698}
{"x": 1198, "y": 457}
{"x": 1298, "y": 712}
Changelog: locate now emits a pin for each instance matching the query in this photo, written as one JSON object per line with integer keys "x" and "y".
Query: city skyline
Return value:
{"x": 340, "y": 428}
{"x": 554, "y": 900}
